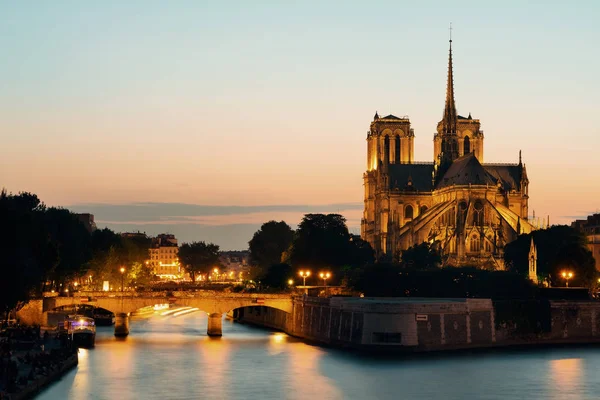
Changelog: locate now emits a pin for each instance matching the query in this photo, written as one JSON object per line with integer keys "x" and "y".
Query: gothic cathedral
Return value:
{"x": 468, "y": 208}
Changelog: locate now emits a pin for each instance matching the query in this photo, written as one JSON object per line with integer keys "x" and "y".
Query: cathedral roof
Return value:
{"x": 411, "y": 176}
{"x": 466, "y": 170}
{"x": 391, "y": 117}
{"x": 509, "y": 175}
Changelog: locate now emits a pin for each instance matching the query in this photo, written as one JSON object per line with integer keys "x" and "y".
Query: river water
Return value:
{"x": 167, "y": 357}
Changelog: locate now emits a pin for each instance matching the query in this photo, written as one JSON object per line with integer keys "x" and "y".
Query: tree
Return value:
{"x": 26, "y": 248}
{"x": 393, "y": 280}
{"x": 198, "y": 257}
{"x": 423, "y": 255}
{"x": 268, "y": 244}
{"x": 559, "y": 248}
{"x": 322, "y": 241}
{"x": 72, "y": 241}
{"x": 277, "y": 276}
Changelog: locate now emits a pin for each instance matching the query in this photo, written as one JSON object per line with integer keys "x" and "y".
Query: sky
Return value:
{"x": 205, "y": 119}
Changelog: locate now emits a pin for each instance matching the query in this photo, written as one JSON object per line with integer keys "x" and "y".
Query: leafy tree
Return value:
{"x": 136, "y": 248}
{"x": 72, "y": 241}
{"x": 423, "y": 255}
{"x": 392, "y": 280}
{"x": 268, "y": 244}
{"x": 277, "y": 276}
{"x": 322, "y": 241}
{"x": 558, "y": 248}
{"x": 198, "y": 257}
{"x": 361, "y": 252}
{"x": 140, "y": 274}
{"x": 27, "y": 249}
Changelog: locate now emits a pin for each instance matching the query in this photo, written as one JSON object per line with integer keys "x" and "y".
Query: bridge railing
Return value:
{"x": 179, "y": 294}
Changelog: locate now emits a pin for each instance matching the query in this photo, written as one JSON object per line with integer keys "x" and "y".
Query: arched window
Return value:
{"x": 475, "y": 244}
{"x": 386, "y": 148}
{"x": 467, "y": 145}
{"x": 423, "y": 210}
{"x": 408, "y": 212}
{"x": 398, "y": 159}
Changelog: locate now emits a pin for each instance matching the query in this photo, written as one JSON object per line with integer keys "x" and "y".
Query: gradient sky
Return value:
{"x": 146, "y": 105}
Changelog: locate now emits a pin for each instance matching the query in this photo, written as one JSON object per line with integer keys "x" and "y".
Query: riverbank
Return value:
{"x": 41, "y": 381}
{"x": 29, "y": 362}
{"x": 416, "y": 325}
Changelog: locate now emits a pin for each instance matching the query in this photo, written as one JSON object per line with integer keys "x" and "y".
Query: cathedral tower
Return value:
{"x": 390, "y": 138}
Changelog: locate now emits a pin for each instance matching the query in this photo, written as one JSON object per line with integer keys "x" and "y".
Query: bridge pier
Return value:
{"x": 121, "y": 324}
{"x": 215, "y": 324}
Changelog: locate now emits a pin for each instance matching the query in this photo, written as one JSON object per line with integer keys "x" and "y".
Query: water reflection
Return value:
{"x": 306, "y": 380}
{"x": 172, "y": 358}
{"x": 214, "y": 367}
{"x": 565, "y": 377}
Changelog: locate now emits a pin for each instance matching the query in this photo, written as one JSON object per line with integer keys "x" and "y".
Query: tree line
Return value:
{"x": 48, "y": 248}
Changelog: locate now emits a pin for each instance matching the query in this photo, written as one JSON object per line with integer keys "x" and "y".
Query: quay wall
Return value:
{"x": 431, "y": 324}
{"x": 34, "y": 387}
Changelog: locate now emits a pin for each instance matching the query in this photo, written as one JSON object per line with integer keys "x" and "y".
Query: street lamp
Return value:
{"x": 291, "y": 282}
{"x": 122, "y": 277}
{"x": 304, "y": 275}
{"x": 325, "y": 276}
{"x": 566, "y": 276}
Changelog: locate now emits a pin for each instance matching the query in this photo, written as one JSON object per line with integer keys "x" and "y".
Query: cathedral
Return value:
{"x": 469, "y": 209}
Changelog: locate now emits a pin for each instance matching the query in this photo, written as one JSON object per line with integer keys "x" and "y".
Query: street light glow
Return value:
{"x": 122, "y": 269}
{"x": 568, "y": 275}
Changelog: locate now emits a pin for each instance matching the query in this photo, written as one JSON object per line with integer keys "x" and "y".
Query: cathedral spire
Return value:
{"x": 449, "y": 119}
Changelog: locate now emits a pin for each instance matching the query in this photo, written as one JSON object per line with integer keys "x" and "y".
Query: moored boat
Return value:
{"x": 81, "y": 330}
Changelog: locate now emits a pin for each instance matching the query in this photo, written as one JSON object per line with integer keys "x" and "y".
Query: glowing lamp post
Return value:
{"x": 122, "y": 277}
{"x": 566, "y": 276}
{"x": 304, "y": 275}
{"x": 325, "y": 276}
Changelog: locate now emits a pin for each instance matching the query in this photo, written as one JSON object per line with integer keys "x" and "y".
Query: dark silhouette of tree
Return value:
{"x": 198, "y": 257}
{"x": 73, "y": 243}
{"x": 361, "y": 252}
{"x": 392, "y": 280}
{"x": 558, "y": 248}
{"x": 268, "y": 244}
{"x": 277, "y": 276}
{"x": 26, "y": 247}
{"x": 423, "y": 256}
{"x": 322, "y": 242}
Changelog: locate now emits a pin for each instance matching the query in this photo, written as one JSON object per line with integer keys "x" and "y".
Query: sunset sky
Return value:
{"x": 205, "y": 119}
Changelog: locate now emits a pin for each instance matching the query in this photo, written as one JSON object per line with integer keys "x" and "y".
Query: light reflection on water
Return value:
{"x": 172, "y": 358}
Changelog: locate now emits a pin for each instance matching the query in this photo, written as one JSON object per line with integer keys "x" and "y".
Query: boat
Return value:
{"x": 81, "y": 330}
{"x": 103, "y": 317}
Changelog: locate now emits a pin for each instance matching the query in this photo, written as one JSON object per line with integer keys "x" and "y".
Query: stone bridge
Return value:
{"x": 214, "y": 303}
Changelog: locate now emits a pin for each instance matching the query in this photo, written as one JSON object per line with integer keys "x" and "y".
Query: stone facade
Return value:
{"x": 590, "y": 227}
{"x": 164, "y": 259}
{"x": 466, "y": 207}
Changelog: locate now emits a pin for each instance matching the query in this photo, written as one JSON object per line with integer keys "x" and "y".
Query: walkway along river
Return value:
{"x": 172, "y": 358}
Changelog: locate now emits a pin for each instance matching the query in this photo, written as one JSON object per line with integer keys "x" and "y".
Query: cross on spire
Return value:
{"x": 450, "y": 29}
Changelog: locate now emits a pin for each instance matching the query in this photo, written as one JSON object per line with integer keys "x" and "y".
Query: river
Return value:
{"x": 172, "y": 358}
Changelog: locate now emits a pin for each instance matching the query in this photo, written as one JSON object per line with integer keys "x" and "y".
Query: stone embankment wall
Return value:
{"x": 34, "y": 387}
{"x": 431, "y": 324}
